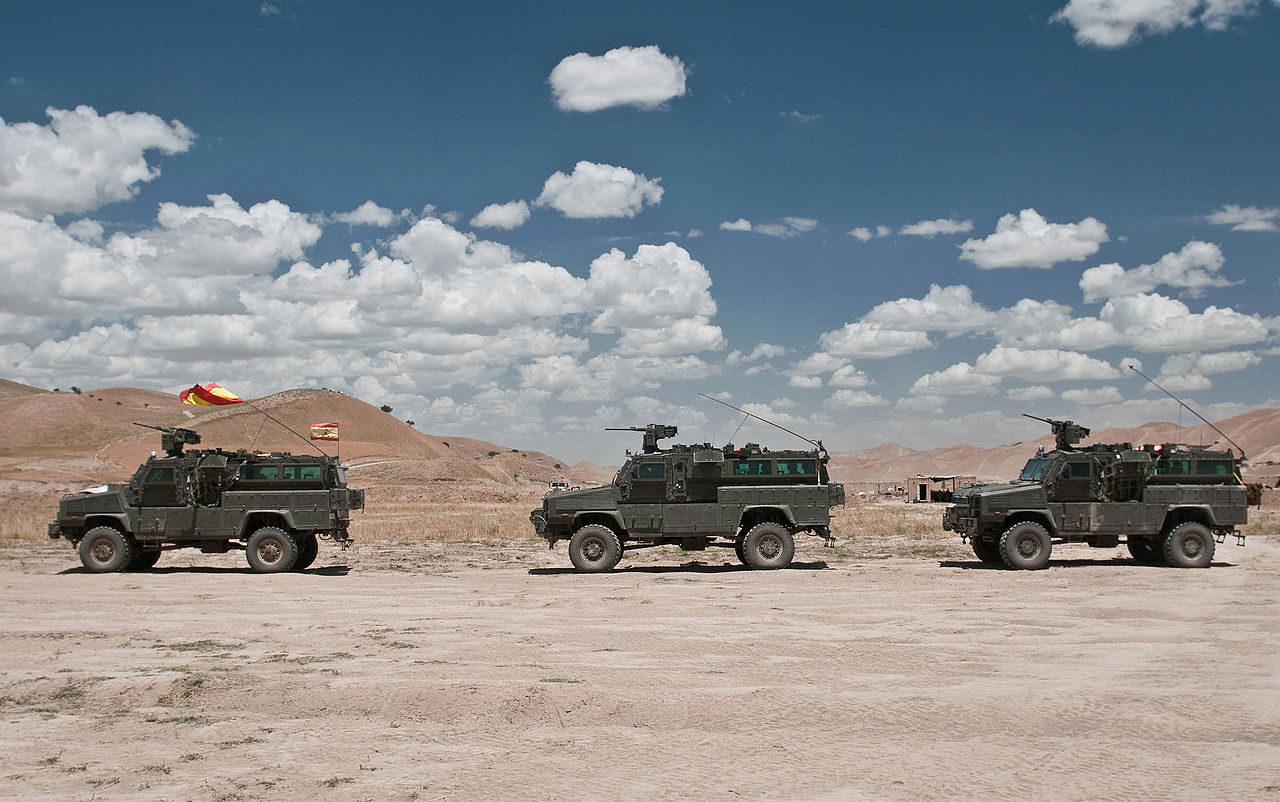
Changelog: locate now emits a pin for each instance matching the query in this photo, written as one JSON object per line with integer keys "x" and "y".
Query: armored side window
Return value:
{"x": 159, "y": 475}
{"x": 1173, "y": 467}
{"x": 650, "y": 470}
{"x": 304, "y": 472}
{"x": 1033, "y": 470}
{"x": 796, "y": 467}
{"x": 1077, "y": 470}
{"x": 259, "y": 472}
{"x": 753, "y": 467}
{"x": 1214, "y": 467}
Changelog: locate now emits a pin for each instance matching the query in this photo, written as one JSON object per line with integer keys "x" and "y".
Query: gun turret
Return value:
{"x": 173, "y": 438}
{"x": 1066, "y": 433}
{"x": 652, "y": 434}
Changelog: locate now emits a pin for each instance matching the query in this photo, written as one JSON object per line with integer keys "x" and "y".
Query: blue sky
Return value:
{"x": 870, "y": 222}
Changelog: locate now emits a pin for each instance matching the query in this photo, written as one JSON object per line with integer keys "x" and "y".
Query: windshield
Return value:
{"x": 1034, "y": 469}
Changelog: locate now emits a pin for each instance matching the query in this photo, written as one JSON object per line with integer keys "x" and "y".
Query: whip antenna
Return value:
{"x": 817, "y": 443}
{"x": 1192, "y": 411}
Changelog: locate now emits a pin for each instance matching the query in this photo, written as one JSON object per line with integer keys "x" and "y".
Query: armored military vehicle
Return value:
{"x": 1169, "y": 502}
{"x": 274, "y": 506}
{"x": 695, "y": 496}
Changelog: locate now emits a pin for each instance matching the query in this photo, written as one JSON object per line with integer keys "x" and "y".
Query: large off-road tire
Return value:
{"x": 1188, "y": 545}
{"x": 595, "y": 548}
{"x": 768, "y": 545}
{"x": 1026, "y": 546}
{"x": 738, "y": 543}
{"x": 271, "y": 550}
{"x": 985, "y": 550}
{"x": 141, "y": 559}
{"x": 308, "y": 548}
{"x": 1145, "y": 550}
{"x": 104, "y": 549}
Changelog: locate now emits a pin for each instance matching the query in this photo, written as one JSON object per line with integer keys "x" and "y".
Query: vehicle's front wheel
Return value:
{"x": 595, "y": 548}
{"x": 308, "y": 549}
{"x": 105, "y": 549}
{"x": 1189, "y": 545}
{"x": 1026, "y": 546}
{"x": 271, "y": 550}
{"x": 768, "y": 545}
{"x": 985, "y": 550}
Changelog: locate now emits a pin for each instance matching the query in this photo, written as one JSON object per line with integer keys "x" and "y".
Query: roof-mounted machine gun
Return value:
{"x": 172, "y": 438}
{"x": 1066, "y": 433}
{"x": 652, "y": 434}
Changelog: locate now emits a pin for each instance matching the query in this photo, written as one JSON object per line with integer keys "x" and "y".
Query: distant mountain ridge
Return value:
{"x": 90, "y": 436}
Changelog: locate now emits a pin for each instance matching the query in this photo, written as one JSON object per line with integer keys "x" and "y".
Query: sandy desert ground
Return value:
{"x": 436, "y": 670}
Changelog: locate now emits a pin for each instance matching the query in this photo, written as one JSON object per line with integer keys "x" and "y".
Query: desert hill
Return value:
{"x": 75, "y": 438}
{"x": 1257, "y": 432}
{"x": 92, "y": 437}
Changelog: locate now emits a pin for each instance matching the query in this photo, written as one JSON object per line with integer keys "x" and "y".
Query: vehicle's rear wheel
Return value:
{"x": 142, "y": 560}
{"x": 595, "y": 548}
{"x": 1189, "y": 545}
{"x": 271, "y": 550}
{"x": 985, "y": 550}
{"x": 308, "y": 548}
{"x": 768, "y": 545}
{"x": 1145, "y": 550}
{"x": 1026, "y": 546}
{"x": 105, "y": 549}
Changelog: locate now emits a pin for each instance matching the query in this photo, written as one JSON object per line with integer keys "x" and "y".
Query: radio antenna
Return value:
{"x": 817, "y": 443}
{"x": 1189, "y": 409}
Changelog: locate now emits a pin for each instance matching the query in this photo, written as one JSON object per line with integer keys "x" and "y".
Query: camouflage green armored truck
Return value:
{"x": 696, "y": 497}
{"x": 274, "y": 506}
{"x": 1170, "y": 503}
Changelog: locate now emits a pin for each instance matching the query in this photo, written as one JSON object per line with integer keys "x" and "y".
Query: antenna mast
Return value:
{"x": 817, "y": 443}
{"x": 1192, "y": 411}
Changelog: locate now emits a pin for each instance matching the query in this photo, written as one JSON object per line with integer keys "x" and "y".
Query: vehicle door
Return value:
{"x": 163, "y": 511}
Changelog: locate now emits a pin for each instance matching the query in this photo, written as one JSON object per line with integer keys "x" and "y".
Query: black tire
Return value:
{"x": 105, "y": 549}
{"x": 985, "y": 550}
{"x": 1026, "y": 546}
{"x": 271, "y": 550}
{"x": 768, "y": 546}
{"x": 595, "y": 548}
{"x": 737, "y": 547}
{"x": 308, "y": 548}
{"x": 143, "y": 560}
{"x": 1188, "y": 545}
{"x": 1145, "y": 550}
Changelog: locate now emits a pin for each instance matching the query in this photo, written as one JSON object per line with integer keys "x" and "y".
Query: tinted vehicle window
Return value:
{"x": 1077, "y": 470}
{"x": 161, "y": 474}
{"x": 1213, "y": 467}
{"x": 650, "y": 470}
{"x": 259, "y": 471}
{"x": 754, "y": 467}
{"x": 1034, "y": 469}
{"x": 792, "y": 467}
{"x": 309, "y": 472}
{"x": 1173, "y": 467}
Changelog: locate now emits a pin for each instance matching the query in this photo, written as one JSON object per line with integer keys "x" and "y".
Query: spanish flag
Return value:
{"x": 210, "y": 395}
{"x": 324, "y": 431}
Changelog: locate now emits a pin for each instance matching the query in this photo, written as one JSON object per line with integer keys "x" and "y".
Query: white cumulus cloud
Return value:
{"x": 599, "y": 190}
{"x": 643, "y": 77}
{"x": 785, "y": 228}
{"x": 370, "y": 214}
{"x": 502, "y": 215}
{"x": 1246, "y": 218}
{"x": 81, "y": 160}
{"x": 1028, "y": 240}
{"x": 1194, "y": 268}
{"x": 932, "y": 228}
{"x": 1116, "y": 23}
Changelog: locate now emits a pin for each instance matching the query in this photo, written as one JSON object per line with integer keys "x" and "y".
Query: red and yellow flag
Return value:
{"x": 324, "y": 431}
{"x": 210, "y": 395}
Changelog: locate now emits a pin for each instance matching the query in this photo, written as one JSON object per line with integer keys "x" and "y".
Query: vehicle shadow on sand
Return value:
{"x": 981, "y": 566}
{"x": 694, "y": 567}
{"x": 328, "y": 570}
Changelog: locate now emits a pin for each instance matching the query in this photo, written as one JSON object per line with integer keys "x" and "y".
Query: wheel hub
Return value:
{"x": 593, "y": 550}
{"x": 269, "y": 552}
{"x": 770, "y": 548}
{"x": 1028, "y": 546}
{"x": 103, "y": 551}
